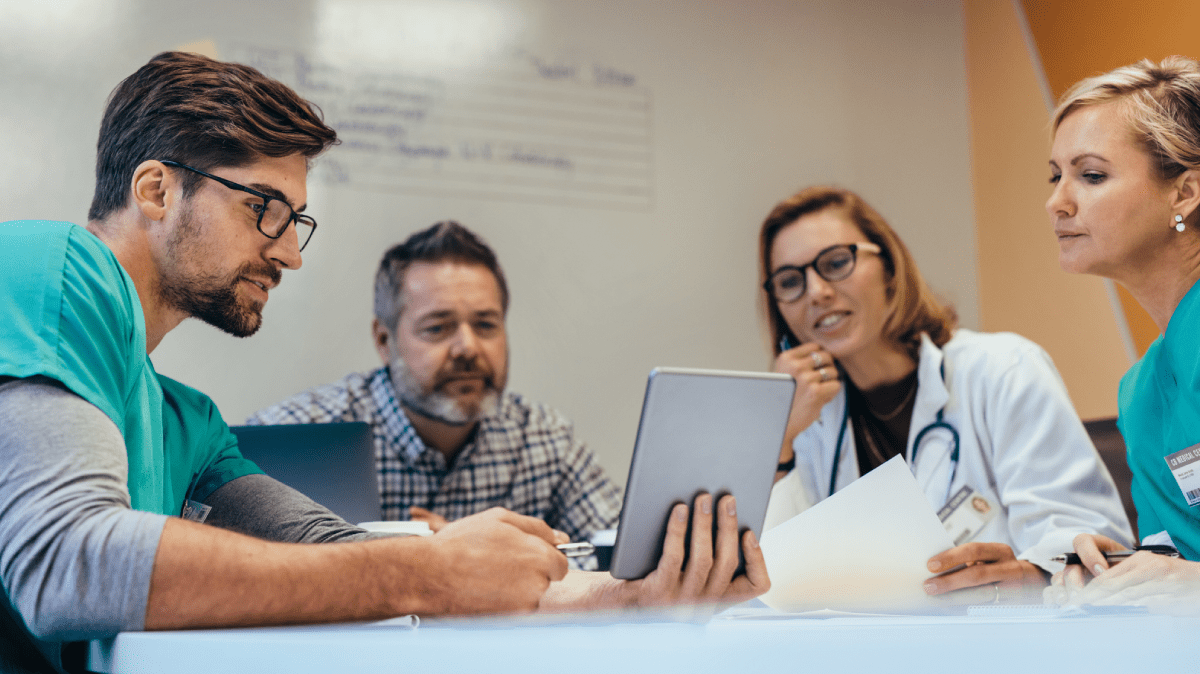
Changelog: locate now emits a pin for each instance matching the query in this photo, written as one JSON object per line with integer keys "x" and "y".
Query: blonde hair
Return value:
{"x": 1160, "y": 102}
{"x": 914, "y": 308}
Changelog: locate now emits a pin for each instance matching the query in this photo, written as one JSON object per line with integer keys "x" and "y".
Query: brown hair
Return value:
{"x": 445, "y": 241}
{"x": 1159, "y": 101}
{"x": 203, "y": 113}
{"x": 914, "y": 308}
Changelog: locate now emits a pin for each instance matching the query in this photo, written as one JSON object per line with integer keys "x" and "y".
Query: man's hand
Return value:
{"x": 993, "y": 564}
{"x": 817, "y": 383}
{"x": 434, "y": 520}
{"x": 707, "y": 578}
{"x": 494, "y": 562}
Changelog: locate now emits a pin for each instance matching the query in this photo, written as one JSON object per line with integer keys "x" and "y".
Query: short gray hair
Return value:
{"x": 446, "y": 241}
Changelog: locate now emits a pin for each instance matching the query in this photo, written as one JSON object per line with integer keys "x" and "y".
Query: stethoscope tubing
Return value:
{"x": 938, "y": 422}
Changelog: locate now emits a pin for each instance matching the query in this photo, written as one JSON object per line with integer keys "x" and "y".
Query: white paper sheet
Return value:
{"x": 864, "y": 548}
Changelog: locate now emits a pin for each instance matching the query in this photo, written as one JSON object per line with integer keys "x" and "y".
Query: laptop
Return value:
{"x": 333, "y": 464}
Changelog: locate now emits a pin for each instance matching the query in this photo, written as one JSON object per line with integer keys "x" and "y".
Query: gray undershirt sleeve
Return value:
{"x": 75, "y": 559}
{"x": 261, "y": 506}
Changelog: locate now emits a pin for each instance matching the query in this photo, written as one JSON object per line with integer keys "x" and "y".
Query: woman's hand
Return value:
{"x": 1167, "y": 584}
{"x": 817, "y": 383}
{"x": 1071, "y": 580}
{"x": 1144, "y": 579}
{"x": 1014, "y": 580}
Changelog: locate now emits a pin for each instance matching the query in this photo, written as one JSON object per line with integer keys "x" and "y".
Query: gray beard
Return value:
{"x": 435, "y": 405}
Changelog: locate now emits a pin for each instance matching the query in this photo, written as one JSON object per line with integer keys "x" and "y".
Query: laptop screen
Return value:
{"x": 333, "y": 464}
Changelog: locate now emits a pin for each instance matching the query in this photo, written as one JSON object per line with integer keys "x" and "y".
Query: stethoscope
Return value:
{"x": 938, "y": 422}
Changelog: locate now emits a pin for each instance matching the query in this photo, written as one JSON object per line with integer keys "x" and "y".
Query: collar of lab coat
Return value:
{"x": 932, "y": 393}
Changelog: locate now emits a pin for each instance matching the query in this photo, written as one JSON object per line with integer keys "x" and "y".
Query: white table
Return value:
{"x": 624, "y": 644}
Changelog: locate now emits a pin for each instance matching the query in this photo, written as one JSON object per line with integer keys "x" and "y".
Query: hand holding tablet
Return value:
{"x": 702, "y": 432}
{"x": 695, "y": 567}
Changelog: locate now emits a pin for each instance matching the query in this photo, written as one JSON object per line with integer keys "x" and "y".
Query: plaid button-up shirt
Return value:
{"x": 525, "y": 458}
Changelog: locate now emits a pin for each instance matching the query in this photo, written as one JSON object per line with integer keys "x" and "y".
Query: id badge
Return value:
{"x": 965, "y": 514}
{"x": 195, "y": 511}
{"x": 1183, "y": 465}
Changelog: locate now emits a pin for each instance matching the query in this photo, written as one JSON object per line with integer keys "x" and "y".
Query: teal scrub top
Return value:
{"x": 71, "y": 313}
{"x": 1159, "y": 405}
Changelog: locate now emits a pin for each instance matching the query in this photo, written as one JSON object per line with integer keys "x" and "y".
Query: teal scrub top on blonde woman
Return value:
{"x": 1159, "y": 415}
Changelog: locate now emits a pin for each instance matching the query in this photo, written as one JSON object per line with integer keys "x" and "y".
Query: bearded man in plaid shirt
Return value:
{"x": 449, "y": 440}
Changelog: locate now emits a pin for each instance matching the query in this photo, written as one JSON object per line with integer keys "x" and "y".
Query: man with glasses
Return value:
{"x": 200, "y": 176}
{"x": 450, "y": 440}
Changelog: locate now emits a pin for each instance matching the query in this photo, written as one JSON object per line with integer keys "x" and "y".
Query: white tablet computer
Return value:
{"x": 701, "y": 431}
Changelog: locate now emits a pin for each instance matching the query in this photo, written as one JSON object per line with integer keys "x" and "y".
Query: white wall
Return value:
{"x": 748, "y": 101}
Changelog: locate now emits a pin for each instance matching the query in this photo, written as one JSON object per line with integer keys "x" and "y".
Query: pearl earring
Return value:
{"x": 1178, "y": 222}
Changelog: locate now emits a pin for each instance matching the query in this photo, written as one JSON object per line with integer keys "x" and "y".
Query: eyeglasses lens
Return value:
{"x": 304, "y": 231}
{"x": 789, "y": 285}
{"x": 276, "y": 219}
{"x": 836, "y": 264}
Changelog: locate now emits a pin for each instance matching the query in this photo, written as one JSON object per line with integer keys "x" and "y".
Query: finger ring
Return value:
{"x": 818, "y": 361}
{"x": 997, "y": 599}
{"x": 824, "y": 373}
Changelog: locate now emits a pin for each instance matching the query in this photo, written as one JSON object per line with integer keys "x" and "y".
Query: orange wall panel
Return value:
{"x": 1078, "y": 39}
{"x": 1021, "y": 287}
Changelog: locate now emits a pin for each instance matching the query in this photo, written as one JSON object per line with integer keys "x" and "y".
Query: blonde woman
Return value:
{"x": 1125, "y": 170}
{"x": 983, "y": 420}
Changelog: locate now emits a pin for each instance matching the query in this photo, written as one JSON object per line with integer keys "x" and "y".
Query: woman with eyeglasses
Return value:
{"x": 1125, "y": 171}
{"x": 883, "y": 371}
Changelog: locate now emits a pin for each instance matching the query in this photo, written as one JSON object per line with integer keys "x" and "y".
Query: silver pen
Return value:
{"x": 577, "y": 549}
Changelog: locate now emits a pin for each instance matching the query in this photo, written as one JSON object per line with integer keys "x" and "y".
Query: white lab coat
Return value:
{"x": 1022, "y": 445}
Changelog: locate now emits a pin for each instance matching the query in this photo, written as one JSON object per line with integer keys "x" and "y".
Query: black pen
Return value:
{"x": 1119, "y": 555}
{"x": 577, "y": 549}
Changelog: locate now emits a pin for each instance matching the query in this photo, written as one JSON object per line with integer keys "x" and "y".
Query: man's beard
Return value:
{"x": 440, "y": 406}
{"x": 208, "y": 297}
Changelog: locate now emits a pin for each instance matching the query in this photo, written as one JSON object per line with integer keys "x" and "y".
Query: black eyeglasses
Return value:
{"x": 274, "y": 214}
{"x": 835, "y": 263}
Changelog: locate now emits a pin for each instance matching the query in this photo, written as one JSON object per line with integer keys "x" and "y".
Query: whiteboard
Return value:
{"x": 618, "y": 155}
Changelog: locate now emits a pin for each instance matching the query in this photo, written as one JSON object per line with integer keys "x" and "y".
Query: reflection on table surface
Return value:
{"x": 1010, "y": 640}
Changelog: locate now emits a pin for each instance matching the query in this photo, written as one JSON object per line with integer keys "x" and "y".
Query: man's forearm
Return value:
{"x": 208, "y": 577}
{"x": 492, "y": 562}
